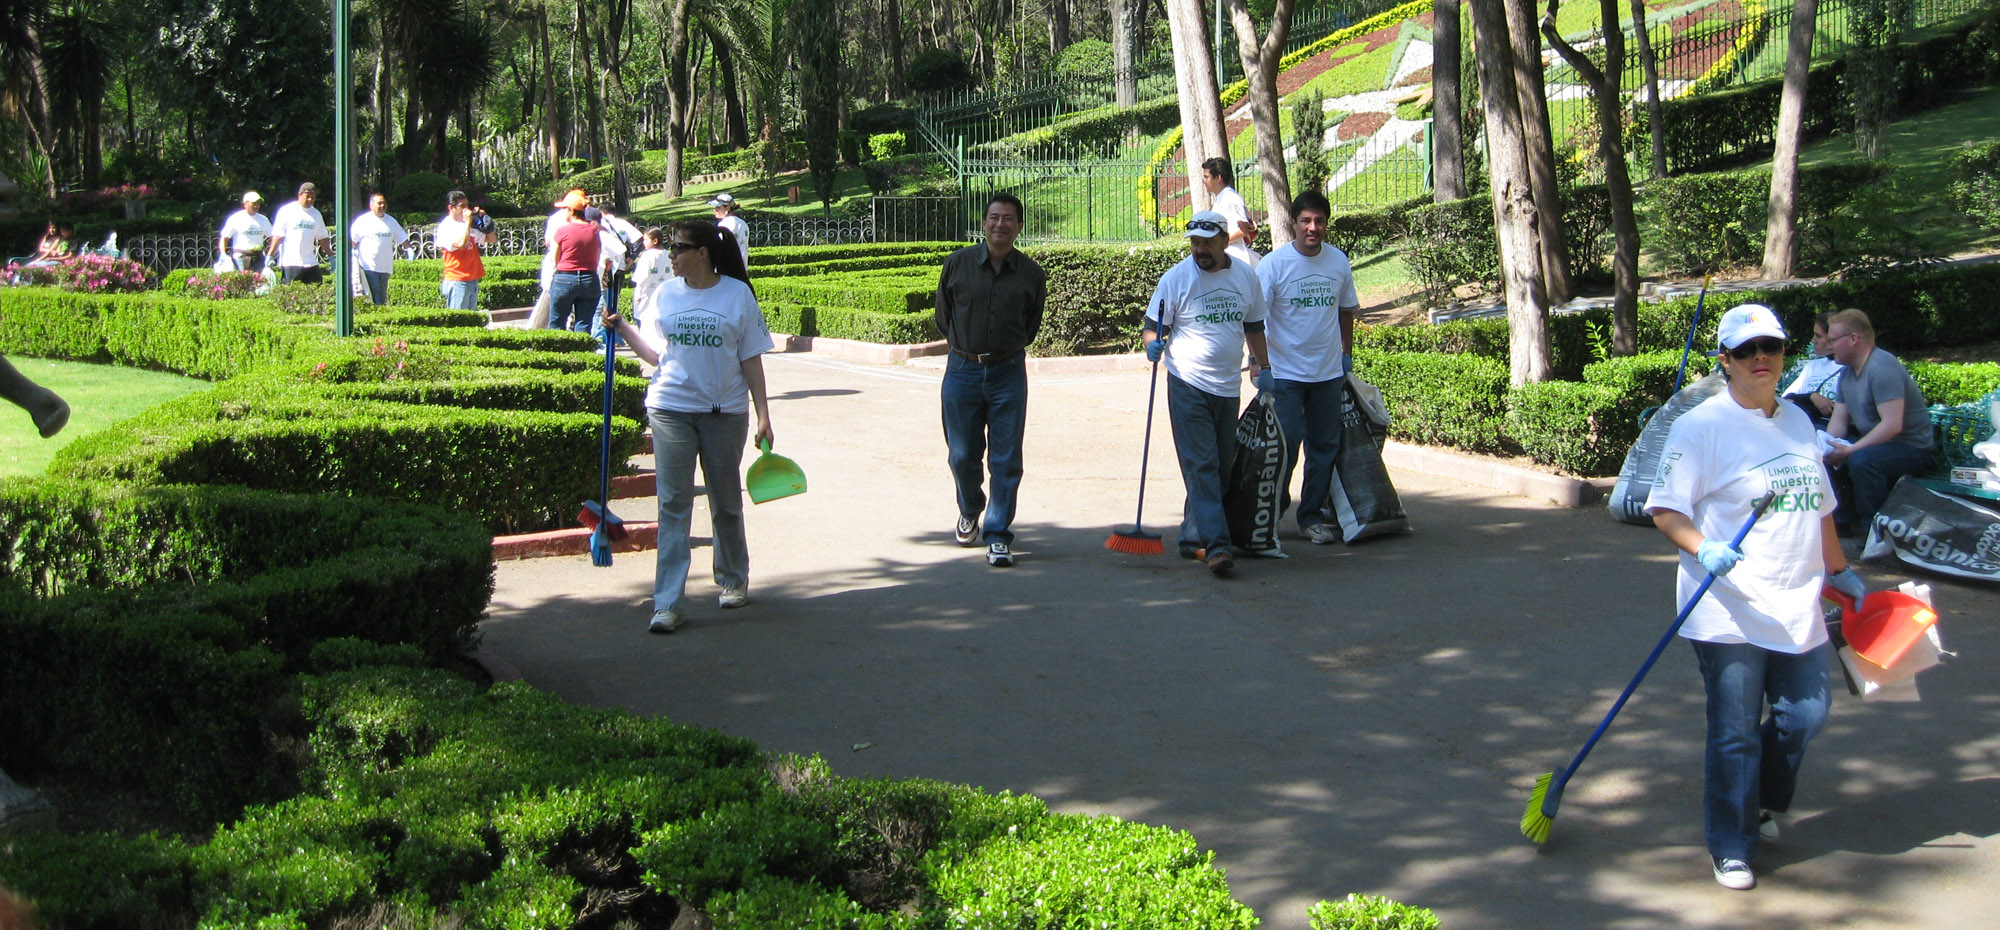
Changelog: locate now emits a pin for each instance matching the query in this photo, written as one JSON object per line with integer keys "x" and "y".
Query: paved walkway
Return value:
{"x": 1365, "y": 719}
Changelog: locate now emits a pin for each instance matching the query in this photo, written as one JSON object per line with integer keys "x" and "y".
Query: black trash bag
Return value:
{"x": 1250, "y": 494}
{"x": 1642, "y": 461}
{"x": 1363, "y": 499}
{"x": 1945, "y": 533}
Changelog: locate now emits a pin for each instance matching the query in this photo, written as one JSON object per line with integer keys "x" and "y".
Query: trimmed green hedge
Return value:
{"x": 1098, "y": 294}
{"x": 504, "y": 807}
{"x": 162, "y": 620}
{"x": 1450, "y": 400}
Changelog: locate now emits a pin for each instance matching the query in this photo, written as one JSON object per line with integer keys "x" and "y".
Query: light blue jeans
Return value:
{"x": 716, "y": 440}
{"x": 1753, "y": 760}
{"x": 460, "y": 295}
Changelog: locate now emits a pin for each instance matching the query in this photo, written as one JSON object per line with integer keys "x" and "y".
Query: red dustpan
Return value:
{"x": 1884, "y": 625}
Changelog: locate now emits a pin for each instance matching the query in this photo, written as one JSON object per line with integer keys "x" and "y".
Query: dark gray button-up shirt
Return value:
{"x": 985, "y": 312}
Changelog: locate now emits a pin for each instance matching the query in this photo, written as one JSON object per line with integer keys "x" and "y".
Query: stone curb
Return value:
{"x": 1501, "y": 476}
{"x": 856, "y": 350}
{"x": 626, "y": 487}
{"x": 572, "y": 541}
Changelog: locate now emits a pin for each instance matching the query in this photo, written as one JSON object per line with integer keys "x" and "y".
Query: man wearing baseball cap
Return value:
{"x": 244, "y": 234}
{"x": 726, "y": 218}
{"x": 1200, "y": 316}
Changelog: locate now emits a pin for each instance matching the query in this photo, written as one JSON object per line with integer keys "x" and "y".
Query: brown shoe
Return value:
{"x": 1220, "y": 563}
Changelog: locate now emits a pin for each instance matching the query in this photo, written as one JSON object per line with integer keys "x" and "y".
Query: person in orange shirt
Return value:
{"x": 459, "y": 243}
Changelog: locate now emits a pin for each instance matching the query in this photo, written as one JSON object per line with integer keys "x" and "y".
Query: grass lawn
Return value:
{"x": 98, "y": 396}
{"x": 771, "y": 197}
{"x": 1921, "y": 148}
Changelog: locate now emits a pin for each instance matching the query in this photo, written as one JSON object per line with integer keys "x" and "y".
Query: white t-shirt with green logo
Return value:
{"x": 376, "y": 239}
{"x": 703, "y": 337}
{"x": 299, "y": 230}
{"x": 246, "y": 231}
{"x": 1720, "y": 457}
{"x": 1206, "y": 311}
{"x": 1304, "y": 298}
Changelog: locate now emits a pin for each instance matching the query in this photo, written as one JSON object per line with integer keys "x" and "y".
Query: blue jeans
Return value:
{"x": 716, "y": 440}
{"x": 1753, "y": 761}
{"x": 1309, "y": 413}
{"x": 1205, "y": 439}
{"x": 1871, "y": 472}
{"x": 609, "y": 298}
{"x": 378, "y": 286}
{"x": 572, "y": 297}
{"x": 460, "y": 295}
{"x": 985, "y": 408}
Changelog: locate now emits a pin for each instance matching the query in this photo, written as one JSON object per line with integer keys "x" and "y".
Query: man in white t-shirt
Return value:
{"x": 614, "y": 236}
{"x": 1309, "y": 322}
{"x": 376, "y": 236}
{"x": 299, "y": 237}
{"x": 725, "y": 217}
{"x": 1216, "y": 175}
{"x": 1200, "y": 316}
{"x": 244, "y": 234}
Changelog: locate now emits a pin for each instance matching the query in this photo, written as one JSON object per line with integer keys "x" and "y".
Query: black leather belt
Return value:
{"x": 986, "y": 358}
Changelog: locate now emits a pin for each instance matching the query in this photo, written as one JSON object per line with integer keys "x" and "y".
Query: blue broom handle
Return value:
{"x": 1755, "y": 512}
{"x": 1689, "y": 347}
{"x": 1146, "y": 448}
{"x": 604, "y": 440}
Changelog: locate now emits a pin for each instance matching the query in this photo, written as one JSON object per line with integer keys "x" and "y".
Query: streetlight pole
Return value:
{"x": 343, "y": 172}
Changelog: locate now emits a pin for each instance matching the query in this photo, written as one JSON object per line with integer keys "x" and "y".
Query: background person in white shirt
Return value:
{"x": 244, "y": 234}
{"x": 299, "y": 237}
{"x": 1217, "y": 174}
{"x": 652, "y": 268}
{"x": 376, "y": 236}
{"x": 726, "y": 218}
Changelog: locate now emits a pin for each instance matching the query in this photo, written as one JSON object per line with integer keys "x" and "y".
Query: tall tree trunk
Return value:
{"x": 551, "y": 114}
{"x": 1514, "y": 221}
{"x": 593, "y": 102}
{"x": 736, "y": 123}
{"x": 383, "y": 109}
{"x": 1124, "y": 39}
{"x": 893, "y": 25}
{"x": 1526, "y": 43}
{"x": 673, "y": 52}
{"x": 1780, "y": 248}
{"x": 1447, "y": 104}
{"x": 1202, "y": 134}
{"x": 1656, "y": 123}
{"x": 1617, "y": 179}
{"x": 1059, "y": 29}
{"x": 1260, "y": 70}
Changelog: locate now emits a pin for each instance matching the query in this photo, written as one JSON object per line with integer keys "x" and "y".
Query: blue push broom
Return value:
{"x": 605, "y": 526}
{"x": 1547, "y": 796}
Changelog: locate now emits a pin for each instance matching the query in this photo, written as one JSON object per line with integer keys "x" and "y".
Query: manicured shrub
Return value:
{"x": 1097, "y": 295}
{"x": 1703, "y": 222}
{"x": 1975, "y": 188}
{"x": 1954, "y": 383}
{"x": 66, "y": 876}
{"x": 421, "y": 191}
{"x": 1453, "y": 400}
{"x": 1368, "y": 912}
{"x": 1578, "y": 428}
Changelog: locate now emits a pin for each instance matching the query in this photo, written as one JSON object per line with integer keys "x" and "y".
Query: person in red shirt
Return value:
{"x": 459, "y": 243}
{"x": 574, "y": 290}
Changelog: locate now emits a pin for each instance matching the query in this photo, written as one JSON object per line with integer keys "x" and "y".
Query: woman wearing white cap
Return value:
{"x": 1758, "y": 636}
{"x": 726, "y": 219}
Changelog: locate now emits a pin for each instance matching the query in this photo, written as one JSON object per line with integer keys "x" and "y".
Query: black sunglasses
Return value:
{"x": 1210, "y": 225}
{"x": 1762, "y": 345}
{"x": 676, "y": 248}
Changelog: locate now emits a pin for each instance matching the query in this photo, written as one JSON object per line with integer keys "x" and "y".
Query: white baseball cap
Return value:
{"x": 1205, "y": 224}
{"x": 1745, "y": 322}
{"x": 722, "y": 200}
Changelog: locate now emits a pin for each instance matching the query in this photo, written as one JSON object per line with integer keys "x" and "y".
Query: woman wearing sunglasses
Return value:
{"x": 1758, "y": 635}
{"x": 707, "y": 336}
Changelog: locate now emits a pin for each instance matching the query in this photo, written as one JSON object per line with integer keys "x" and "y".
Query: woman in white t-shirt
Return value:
{"x": 707, "y": 337}
{"x": 1758, "y": 636}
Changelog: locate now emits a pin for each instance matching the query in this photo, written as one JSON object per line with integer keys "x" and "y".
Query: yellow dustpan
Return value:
{"x": 773, "y": 476}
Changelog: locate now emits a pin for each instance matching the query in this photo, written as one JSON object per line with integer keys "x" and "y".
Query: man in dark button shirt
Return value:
{"x": 989, "y": 308}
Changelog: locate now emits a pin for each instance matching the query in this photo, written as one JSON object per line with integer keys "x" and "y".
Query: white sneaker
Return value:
{"x": 1767, "y": 825}
{"x": 1323, "y": 534}
{"x": 1734, "y": 874}
{"x": 998, "y": 555}
{"x": 966, "y": 531}
{"x": 664, "y": 621}
{"x": 733, "y": 598}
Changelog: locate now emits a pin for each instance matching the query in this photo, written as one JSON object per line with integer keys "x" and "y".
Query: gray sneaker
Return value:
{"x": 732, "y": 598}
{"x": 1767, "y": 825}
{"x": 968, "y": 531}
{"x": 664, "y": 621}
{"x": 999, "y": 556}
{"x": 1322, "y": 534}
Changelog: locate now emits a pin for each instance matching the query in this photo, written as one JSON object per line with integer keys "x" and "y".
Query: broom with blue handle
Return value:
{"x": 604, "y": 525}
{"x": 1547, "y": 796}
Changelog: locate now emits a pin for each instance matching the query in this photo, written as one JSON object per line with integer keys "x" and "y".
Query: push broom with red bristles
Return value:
{"x": 1136, "y": 541}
